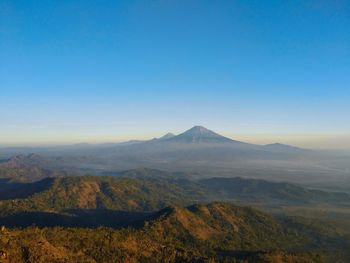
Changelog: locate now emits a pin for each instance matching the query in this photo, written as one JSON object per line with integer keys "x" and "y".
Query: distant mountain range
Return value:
{"x": 197, "y": 150}
{"x": 202, "y": 135}
{"x": 196, "y": 134}
{"x": 199, "y": 134}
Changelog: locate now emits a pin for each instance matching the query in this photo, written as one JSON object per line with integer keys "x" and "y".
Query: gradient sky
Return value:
{"x": 262, "y": 71}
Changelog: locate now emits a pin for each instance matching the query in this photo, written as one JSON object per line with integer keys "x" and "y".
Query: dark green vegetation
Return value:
{"x": 147, "y": 215}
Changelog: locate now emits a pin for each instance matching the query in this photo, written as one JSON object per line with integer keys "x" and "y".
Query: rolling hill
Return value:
{"x": 91, "y": 192}
{"x": 216, "y": 232}
{"x": 148, "y": 215}
{"x": 66, "y": 200}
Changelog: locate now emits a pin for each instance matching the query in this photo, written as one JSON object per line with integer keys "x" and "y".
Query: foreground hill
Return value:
{"x": 225, "y": 228}
{"x": 217, "y": 232}
{"x": 147, "y": 215}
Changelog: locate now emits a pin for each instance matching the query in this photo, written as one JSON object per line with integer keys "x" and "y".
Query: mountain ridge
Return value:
{"x": 283, "y": 147}
{"x": 200, "y": 134}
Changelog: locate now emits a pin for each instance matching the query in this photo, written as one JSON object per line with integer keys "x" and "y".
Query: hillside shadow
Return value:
{"x": 4, "y": 160}
{"x": 4, "y": 181}
{"x": 15, "y": 190}
{"x": 82, "y": 218}
{"x": 239, "y": 254}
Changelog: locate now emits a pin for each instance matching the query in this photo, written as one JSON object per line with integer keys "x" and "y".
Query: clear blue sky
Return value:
{"x": 82, "y": 70}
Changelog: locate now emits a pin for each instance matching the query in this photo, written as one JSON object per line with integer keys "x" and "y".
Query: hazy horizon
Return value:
{"x": 311, "y": 141}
